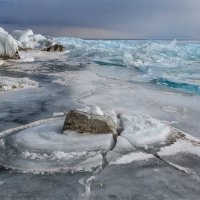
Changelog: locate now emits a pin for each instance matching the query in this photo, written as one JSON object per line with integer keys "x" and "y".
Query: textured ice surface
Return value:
{"x": 28, "y": 40}
{"x": 45, "y": 149}
{"x": 151, "y": 85}
{"x": 132, "y": 157}
{"x": 1, "y": 62}
{"x": 2, "y": 30}
{"x": 157, "y": 60}
{"x": 92, "y": 110}
{"x": 25, "y": 37}
{"x": 96, "y": 110}
{"x": 181, "y": 146}
{"x": 8, "y": 45}
{"x": 151, "y": 179}
{"x": 144, "y": 130}
{"x": 8, "y": 83}
{"x": 26, "y": 57}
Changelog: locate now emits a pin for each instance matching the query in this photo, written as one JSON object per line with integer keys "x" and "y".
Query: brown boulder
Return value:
{"x": 55, "y": 48}
{"x": 84, "y": 122}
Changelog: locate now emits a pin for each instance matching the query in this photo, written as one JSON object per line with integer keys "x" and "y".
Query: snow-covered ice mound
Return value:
{"x": 8, "y": 46}
{"x": 27, "y": 39}
{"x": 8, "y": 83}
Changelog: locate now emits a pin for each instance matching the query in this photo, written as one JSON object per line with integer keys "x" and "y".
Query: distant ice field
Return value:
{"x": 174, "y": 64}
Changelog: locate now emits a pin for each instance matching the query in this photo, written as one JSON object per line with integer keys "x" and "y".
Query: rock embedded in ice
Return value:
{"x": 86, "y": 122}
{"x": 8, "y": 46}
{"x": 55, "y": 48}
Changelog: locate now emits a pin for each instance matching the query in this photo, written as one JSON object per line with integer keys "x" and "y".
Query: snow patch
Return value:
{"x": 24, "y": 57}
{"x": 26, "y": 37}
{"x": 96, "y": 110}
{"x": 1, "y": 62}
{"x": 180, "y": 146}
{"x": 144, "y": 130}
{"x": 8, "y": 83}
{"x": 57, "y": 155}
{"x": 3, "y": 31}
{"x": 131, "y": 157}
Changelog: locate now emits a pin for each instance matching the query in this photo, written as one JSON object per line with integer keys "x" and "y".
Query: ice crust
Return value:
{"x": 8, "y": 83}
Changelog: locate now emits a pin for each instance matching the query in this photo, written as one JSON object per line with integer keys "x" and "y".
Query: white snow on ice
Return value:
{"x": 56, "y": 155}
{"x": 131, "y": 157}
{"x": 144, "y": 130}
{"x": 1, "y": 62}
{"x": 180, "y": 146}
{"x": 8, "y": 83}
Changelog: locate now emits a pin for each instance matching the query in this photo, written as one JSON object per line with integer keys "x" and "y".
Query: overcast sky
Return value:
{"x": 149, "y": 19}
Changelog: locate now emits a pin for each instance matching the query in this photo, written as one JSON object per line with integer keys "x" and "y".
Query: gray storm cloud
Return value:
{"x": 105, "y": 18}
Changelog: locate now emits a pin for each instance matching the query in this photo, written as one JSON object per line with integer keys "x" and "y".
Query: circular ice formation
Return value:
{"x": 45, "y": 149}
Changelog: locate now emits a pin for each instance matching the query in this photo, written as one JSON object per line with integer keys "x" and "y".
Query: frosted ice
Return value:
{"x": 3, "y": 31}
{"x": 131, "y": 157}
{"x": 49, "y": 138}
{"x": 144, "y": 130}
{"x": 8, "y": 83}
{"x": 95, "y": 110}
{"x": 45, "y": 149}
{"x": 158, "y": 59}
{"x": 180, "y": 146}
{"x": 26, "y": 37}
{"x": 57, "y": 155}
{"x": 30, "y": 41}
{"x": 1, "y": 62}
{"x": 8, "y": 45}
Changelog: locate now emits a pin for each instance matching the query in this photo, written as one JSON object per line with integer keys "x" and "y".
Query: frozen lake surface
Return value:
{"x": 155, "y": 88}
